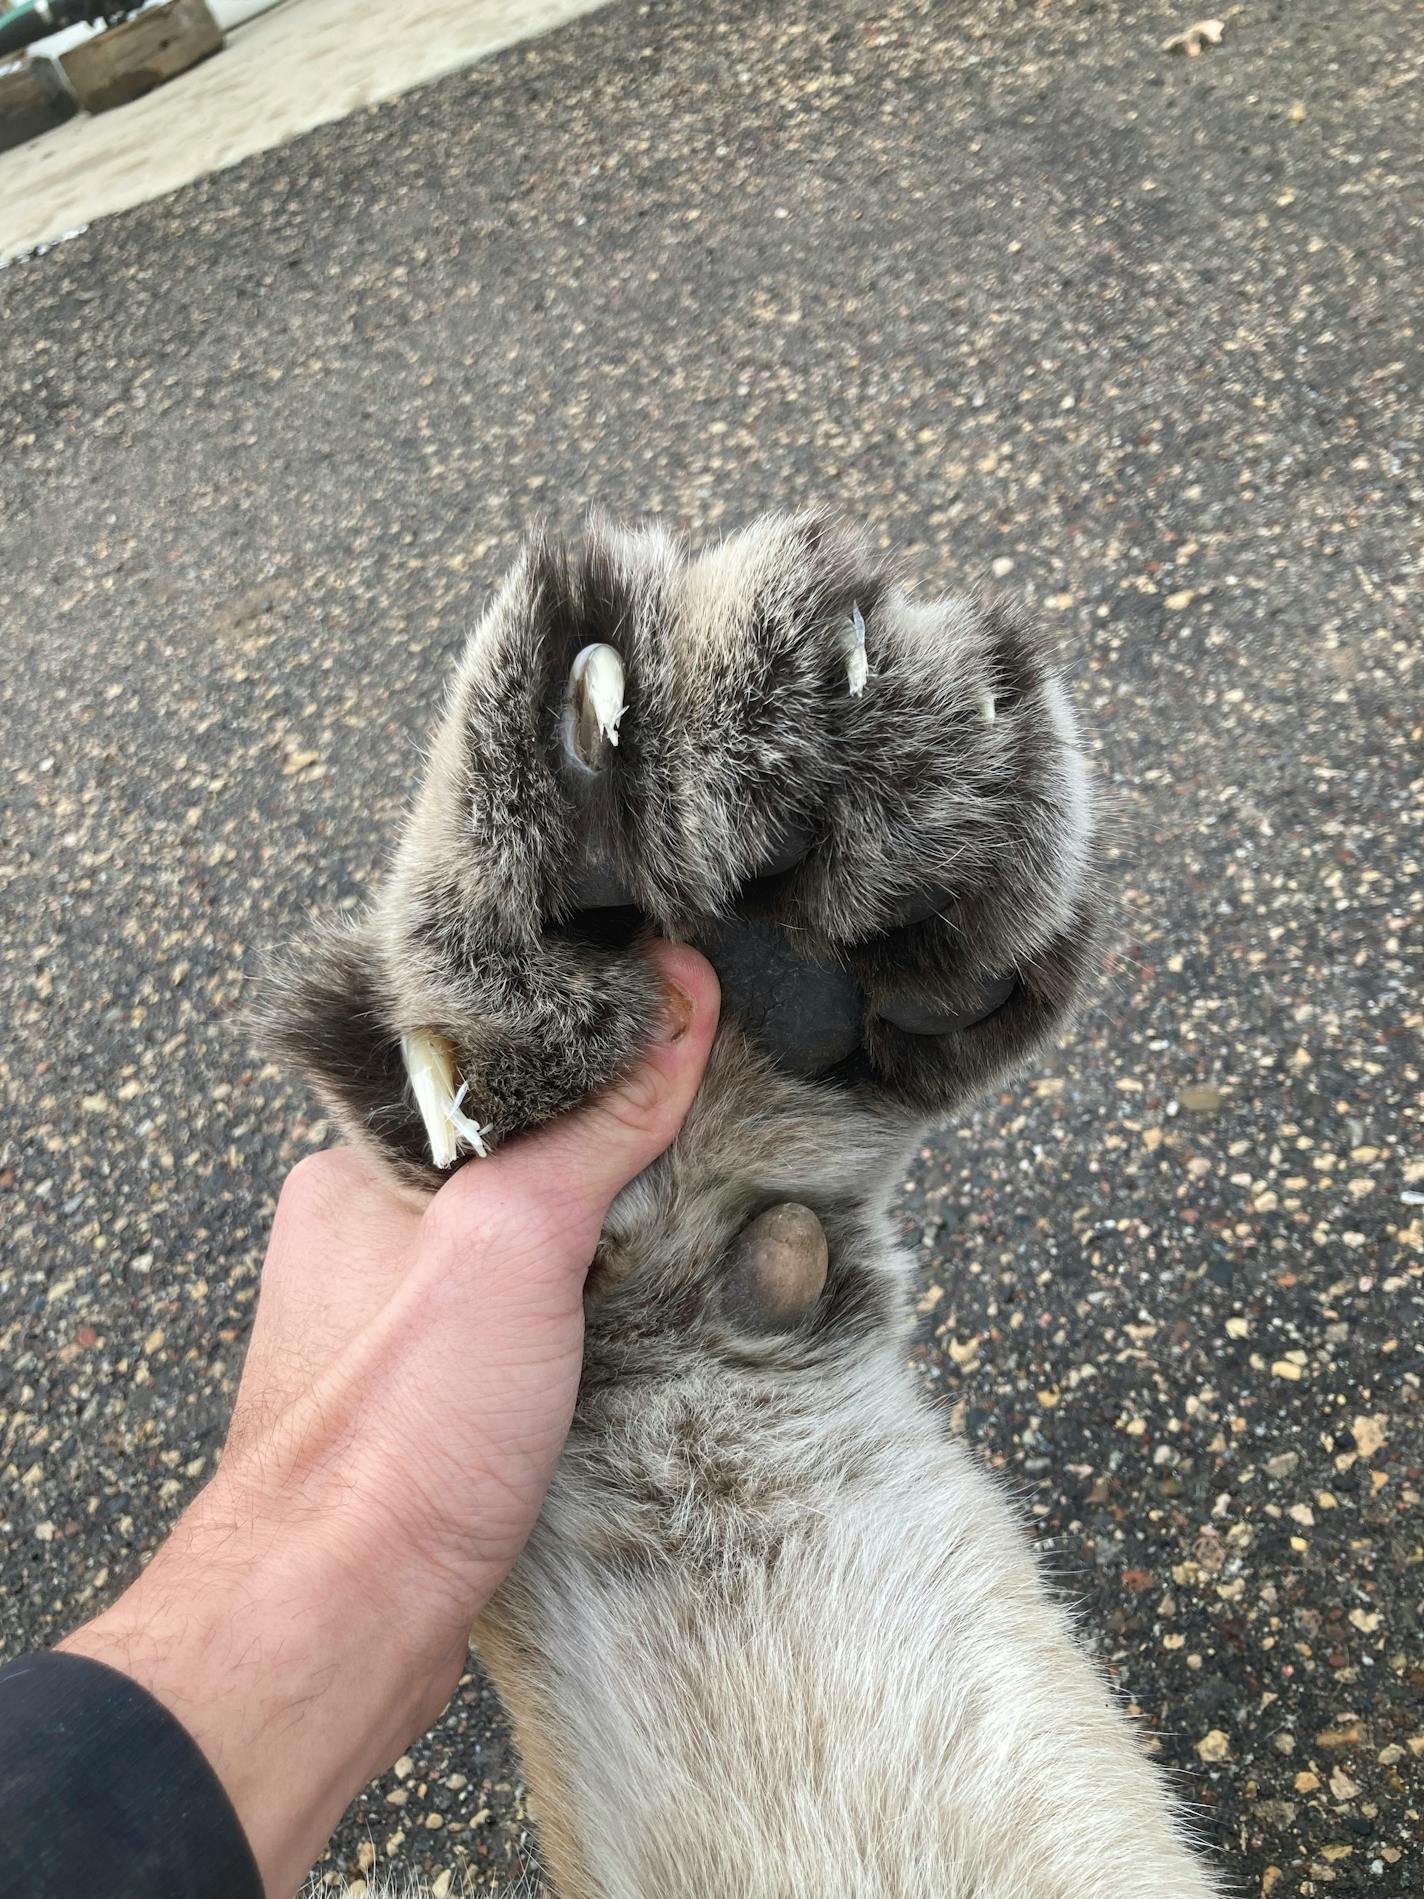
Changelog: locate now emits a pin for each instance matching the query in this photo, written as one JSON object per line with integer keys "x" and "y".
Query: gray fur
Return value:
{"x": 740, "y": 732}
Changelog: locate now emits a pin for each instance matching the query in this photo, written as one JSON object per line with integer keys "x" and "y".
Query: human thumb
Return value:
{"x": 600, "y": 1147}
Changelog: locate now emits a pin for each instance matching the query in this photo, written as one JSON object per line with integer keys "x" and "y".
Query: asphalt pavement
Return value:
{"x": 1131, "y": 334}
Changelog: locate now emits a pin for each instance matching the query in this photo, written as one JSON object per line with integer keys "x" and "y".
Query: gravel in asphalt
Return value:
{"x": 1130, "y": 334}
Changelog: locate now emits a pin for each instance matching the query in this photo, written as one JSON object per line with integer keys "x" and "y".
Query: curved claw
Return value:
{"x": 430, "y": 1068}
{"x": 593, "y": 706}
{"x": 853, "y": 645}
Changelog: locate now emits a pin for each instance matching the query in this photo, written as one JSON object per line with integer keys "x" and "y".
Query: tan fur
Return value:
{"x": 514, "y": 1668}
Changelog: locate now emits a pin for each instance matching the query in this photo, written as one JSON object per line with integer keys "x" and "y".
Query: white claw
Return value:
{"x": 857, "y": 665}
{"x": 465, "y": 1125}
{"x": 593, "y": 705}
{"x": 430, "y": 1064}
{"x": 986, "y": 706}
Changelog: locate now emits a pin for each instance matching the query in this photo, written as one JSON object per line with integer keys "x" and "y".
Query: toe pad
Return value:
{"x": 808, "y": 1014}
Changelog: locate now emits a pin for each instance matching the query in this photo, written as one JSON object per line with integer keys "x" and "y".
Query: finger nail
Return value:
{"x": 676, "y": 1013}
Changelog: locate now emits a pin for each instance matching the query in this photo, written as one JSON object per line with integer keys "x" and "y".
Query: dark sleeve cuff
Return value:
{"x": 105, "y": 1795}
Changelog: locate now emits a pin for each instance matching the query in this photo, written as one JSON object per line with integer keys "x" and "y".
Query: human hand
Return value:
{"x": 408, "y": 1387}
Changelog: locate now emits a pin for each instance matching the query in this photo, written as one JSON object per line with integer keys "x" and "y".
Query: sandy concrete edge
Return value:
{"x": 303, "y": 65}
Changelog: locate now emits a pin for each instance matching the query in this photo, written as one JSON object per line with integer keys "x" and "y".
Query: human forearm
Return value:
{"x": 292, "y": 1672}
{"x": 407, "y": 1389}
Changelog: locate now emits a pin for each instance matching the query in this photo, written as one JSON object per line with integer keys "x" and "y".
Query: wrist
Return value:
{"x": 297, "y": 1674}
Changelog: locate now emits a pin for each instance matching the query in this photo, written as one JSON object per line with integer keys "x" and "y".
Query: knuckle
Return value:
{"x": 634, "y": 1103}
{"x": 320, "y": 1180}
{"x": 458, "y": 1220}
